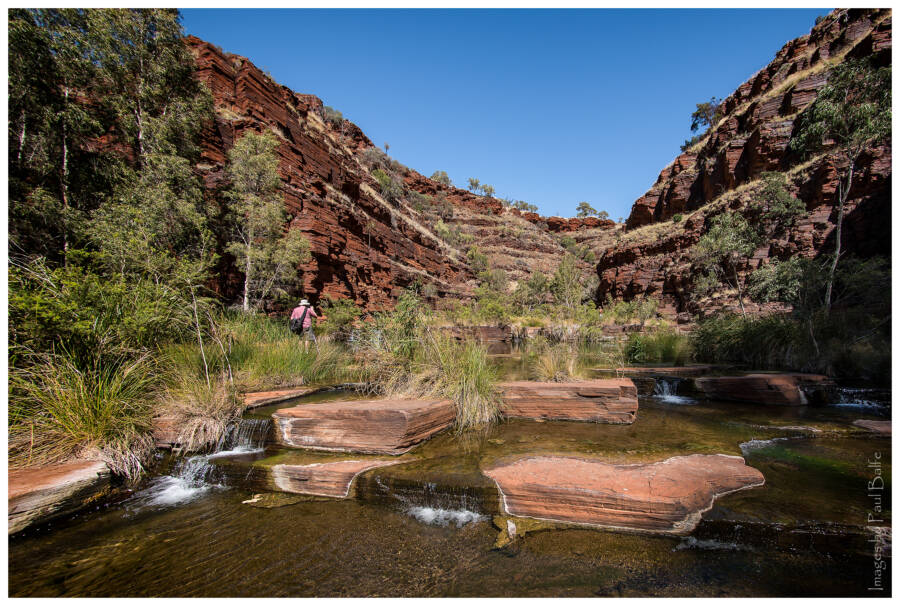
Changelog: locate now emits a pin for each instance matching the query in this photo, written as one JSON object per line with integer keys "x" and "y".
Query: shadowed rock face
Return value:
{"x": 779, "y": 389}
{"x": 322, "y": 479}
{"x": 667, "y": 497}
{"x": 759, "y": 121}
{"x": 376, "y": 426}
{"x": 599, "y": 401}
{"x": 39, "y": 494}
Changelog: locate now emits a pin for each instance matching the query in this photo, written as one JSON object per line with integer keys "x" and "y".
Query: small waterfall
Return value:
{"x": 428, "y": 502}
{"x": 666, "y": 390}
{"x": 243, "y": 436}
{"x": 191, "y": 477}
{"x": 866, "y": 399}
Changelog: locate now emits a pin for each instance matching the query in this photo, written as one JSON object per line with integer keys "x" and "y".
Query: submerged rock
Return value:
{"x": 667, "y": 497}
{"x": 376, "y": 426}
{"x": 600, "y": 400}
{"x": 39, "y": 494}
{"x": 778, "y": 389}
{"x": 880, "y": 427}
{"x": 322, "y": 479}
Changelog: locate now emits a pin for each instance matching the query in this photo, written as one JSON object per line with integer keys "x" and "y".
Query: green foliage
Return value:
{"x": 676, "y": 218}
{"x": 478, "y": 261}
{"x": 332, "y": 115}
{"x": 441, "y": 176}
{"x": 660, "y": 346}
{"x": 341, "y": 314}
{"x": 585, "y": 210}
{"x": 558, "y": 363}
{"x": 62, "y": 409}
{"x": 706, "y": 114}
{"x": 720, "y": 252}
{"x": 567, "y": 284}
{"x": 623, "y": 312}
{"x": 390, "y": 186}
{"x": 853, "y": 110}
{"x": 689, "y": 143}
{"x": 525, "y": 207}
{"x": 473, "y": 184}
{"x": 266, "y": 255}
{"x": 531, "y": 292}
{"x": 775, "y": 209}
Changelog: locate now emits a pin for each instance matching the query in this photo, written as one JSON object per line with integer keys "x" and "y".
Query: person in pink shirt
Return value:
{"x": 302, "y": 318}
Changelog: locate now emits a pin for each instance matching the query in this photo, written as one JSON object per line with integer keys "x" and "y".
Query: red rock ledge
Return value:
{"x": 375, "y": 426}
{"x": 667, "y": 497}
{"x": 778, "y": 389}
{"x": 600, "y": 401}
{"x": 39, "y": 494}
{"x": 322, "y": 479}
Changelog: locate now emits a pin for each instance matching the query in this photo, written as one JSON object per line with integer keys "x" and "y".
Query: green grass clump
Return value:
{"x": 558, "y": 362}
{"x": 661, "y": 346}
{"x": 60, "y": 411}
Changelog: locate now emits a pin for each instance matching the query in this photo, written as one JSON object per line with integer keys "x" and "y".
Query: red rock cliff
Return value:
{"x": 723, "y": 169}
{"x": 363, "y": 247}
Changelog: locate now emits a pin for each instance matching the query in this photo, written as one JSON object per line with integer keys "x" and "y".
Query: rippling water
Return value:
{"x": 424, "y": 528}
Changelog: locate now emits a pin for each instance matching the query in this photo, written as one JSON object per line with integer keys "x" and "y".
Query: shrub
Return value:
{"x": 441, "y": 176}
{"x": 341, "y": 314}
{"x": 391, "y": 188}
{"x": 676, "y": 218}
{"x": 332, "y": 115}
{"x": 478, "y": 261}
{"x": 558, "y": 363}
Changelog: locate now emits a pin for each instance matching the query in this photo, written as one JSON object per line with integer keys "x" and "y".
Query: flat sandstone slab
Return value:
{"x": 262, "y": 398}
{"x": 322, "y": 479}
{"x": 599, "y": 400}
{"x": 779, "y": 389}
{"x": 667, "y": 497}
{"x": 375, "y": 426}
{"x": 39, "y": 494}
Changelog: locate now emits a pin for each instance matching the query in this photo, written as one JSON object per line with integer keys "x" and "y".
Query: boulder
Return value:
{"x": 600, "y": 400}
{"x": 778, "y": 389}
{"x": 375, "y": 426}
{"x": 666, "y": 497}
{"x": 39, "y": 494}
{"x": 331, "y": 479}
{"x": 165, "y": 431}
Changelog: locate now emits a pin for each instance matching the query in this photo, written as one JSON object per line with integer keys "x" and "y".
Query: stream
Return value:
{"x": 423, "y": 526}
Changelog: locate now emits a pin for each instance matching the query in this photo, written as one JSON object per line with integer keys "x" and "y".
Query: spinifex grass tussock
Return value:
{"x": 402, "y": 357}
{"x": 559, "y": 362}
{"x": 60, "y": 411}
{"x": 201, "y": 409}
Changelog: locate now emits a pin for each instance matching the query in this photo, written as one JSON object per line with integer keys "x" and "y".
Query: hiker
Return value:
{"x": 301, "y": 323}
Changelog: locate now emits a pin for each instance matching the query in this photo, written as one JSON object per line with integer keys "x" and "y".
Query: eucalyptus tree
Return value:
{"x": 265, "y": 253}
{"x": 852, "y": 112}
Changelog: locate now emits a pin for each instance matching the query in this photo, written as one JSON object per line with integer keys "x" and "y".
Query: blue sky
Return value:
{"x": 548, "y": 106}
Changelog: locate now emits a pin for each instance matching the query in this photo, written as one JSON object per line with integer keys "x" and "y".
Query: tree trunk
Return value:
{"x": 248, "y": 268}
{"x": 843, "y": 193}
{"x": 21, "y": 140}
{"x": 64, "y": 177}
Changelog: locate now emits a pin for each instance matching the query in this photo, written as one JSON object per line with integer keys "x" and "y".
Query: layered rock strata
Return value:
{"x": 40, "y": 494}
{"x": 598, "y": 401}
{"x": 777, "y": 389}
{"x": 667, "y": 497}
{"x": 373, "y": 426}
{"x": 264, "y": 398}
{"x": 722, "y": 172}
{"x": 332, "y": 479}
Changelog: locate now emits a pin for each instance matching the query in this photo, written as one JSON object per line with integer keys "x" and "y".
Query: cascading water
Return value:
{"x": 666, "y": 390}
{"x": 431, "y": 503}
{"x": 192, "y": 476}
{"x": 870, "y": 400}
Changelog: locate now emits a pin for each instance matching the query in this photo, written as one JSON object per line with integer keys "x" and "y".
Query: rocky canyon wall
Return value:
{"x": 722, "y": 171}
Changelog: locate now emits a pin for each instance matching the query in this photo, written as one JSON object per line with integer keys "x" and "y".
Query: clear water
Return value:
{"x": 423, "y": 527}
